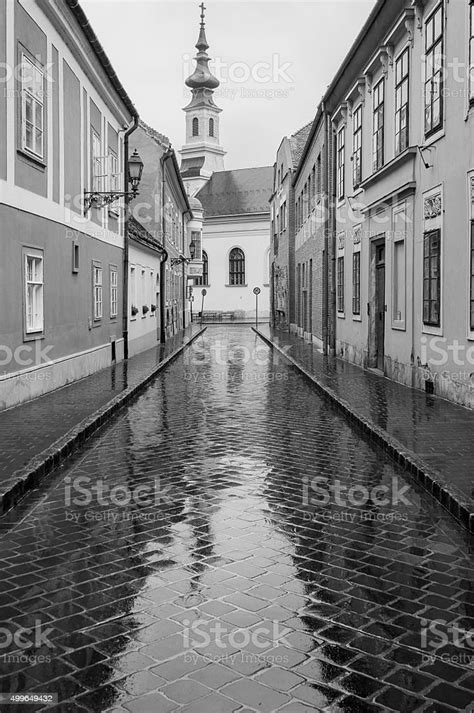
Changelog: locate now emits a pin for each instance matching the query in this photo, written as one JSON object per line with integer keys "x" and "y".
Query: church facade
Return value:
{"x": 236, "y": 208}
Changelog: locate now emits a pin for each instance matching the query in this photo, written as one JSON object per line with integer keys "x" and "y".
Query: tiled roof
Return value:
{"x": 298, "y": 141}
{"x": 244, "y": 190}
{"x": 155, "y": 135}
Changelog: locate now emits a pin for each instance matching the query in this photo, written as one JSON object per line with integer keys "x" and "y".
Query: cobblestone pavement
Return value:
{"x": 187, "y": 560}
{"x": 438, "y": 431}
{"x": 29, "y": 428}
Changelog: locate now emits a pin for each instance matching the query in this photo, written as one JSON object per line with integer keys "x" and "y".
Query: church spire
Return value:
{"x": 202, "y": 77}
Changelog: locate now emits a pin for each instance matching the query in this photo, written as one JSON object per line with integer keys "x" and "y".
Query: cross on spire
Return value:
{"x": 203, "y": 7}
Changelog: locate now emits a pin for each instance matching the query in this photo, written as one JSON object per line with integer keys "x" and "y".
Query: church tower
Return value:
{"x": 202, "y": 153}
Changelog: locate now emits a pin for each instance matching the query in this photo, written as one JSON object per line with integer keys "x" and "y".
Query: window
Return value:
{"x": 113, "y": 292}
{"x": 34, "y": 288}
{"x": 357, "y": 146}
{"x": 32, "y": 108}
{"x": 211, "y": 127}
{"x": 472, "y": 278}
{"x": 471, "y": 51}
{"x": 236, "y": 267}
{"x": 340, "y": 163}
{"x": 402, "y": 101}
{"x": 283, "y": 217}
{"x": 195, "y": 126}
{"x": 378, "y": 126}
{"x": 204, "y": 280}
{"x": 399, "y": 281}
{"x": 96, "y": 164}
{"x": 340, "y": 284}
{"x": 319, "y": 188}
{"x": 356, "y": 283}
{"x": 114, "y": 175}
{"x": 97, "y": 290}
{"x": 431, "y": 278}
{"x": 434, "y": 71}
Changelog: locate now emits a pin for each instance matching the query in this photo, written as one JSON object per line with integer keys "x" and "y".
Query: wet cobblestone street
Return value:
{"x": 188, "y": 559}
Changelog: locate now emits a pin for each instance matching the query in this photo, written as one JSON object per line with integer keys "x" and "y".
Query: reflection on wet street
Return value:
{"x": 229, "y": 543}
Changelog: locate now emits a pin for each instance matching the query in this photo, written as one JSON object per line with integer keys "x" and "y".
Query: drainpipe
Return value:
{"x": 125, "y": 304}
{"x": 163, "y": 158}
{"x": 326, "y": 238}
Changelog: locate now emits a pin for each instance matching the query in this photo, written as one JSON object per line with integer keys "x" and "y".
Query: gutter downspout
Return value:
{"x": 327, "y": 138}
{"x": 332, "y": 318}
{"x": 126, "y": 249}
{"x": 163, "y": 158}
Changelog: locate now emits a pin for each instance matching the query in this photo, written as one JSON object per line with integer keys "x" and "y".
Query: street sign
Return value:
{"x": 256, "y": 290}
{"x": 203, "y": 293}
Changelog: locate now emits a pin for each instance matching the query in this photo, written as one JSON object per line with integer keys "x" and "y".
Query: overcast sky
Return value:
{"x": 276, "y": 60}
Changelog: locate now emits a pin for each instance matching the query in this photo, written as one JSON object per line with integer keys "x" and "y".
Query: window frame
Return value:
{"x": 471, "y": 53}
{"x": 195, "y": 126}
{"x": 36, "y": 329}
{"x": 113, "y": 289}
{"x": 356, "y": 283}
{"x": 400, "y": 108}
{"x": 471, "y": 273}
{"x": 357, "y": 146}
{"x": 428, "y": 278}
{"x": 97, "y": 289}
{"x": 431, "y": 49}
{"x": 211, "y": 127}
{"x": 236, "y": 268}
{"x": 378, "y": 125}
{"x": 341, "y": 162}
{"x": 340, "y": 284}
{"x": 36, "y": 101}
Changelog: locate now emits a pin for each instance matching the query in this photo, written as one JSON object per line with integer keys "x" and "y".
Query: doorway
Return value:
{"x": 377, "y": 306}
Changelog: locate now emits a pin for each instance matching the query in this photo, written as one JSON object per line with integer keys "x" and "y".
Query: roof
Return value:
{"x": 159, "y": 138}
{"x": 140, "y": 234}
{"x": 99, "y": 52}
{"x": 237, "y": 192}
{"x": 298, "y": 142}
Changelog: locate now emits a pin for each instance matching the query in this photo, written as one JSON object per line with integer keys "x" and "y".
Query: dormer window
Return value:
{"x": 195, "y": 126}
{"x": 211, "y": 127}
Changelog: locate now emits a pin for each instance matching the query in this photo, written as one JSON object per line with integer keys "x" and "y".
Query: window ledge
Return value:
{"x": 433, "y": 137}
{"x": 392, "y": 165}
{"x": 236, "y": 285}
{"x": 357, "y": 317}
{"x": 399, "y": 326}
{"x": 33, "y": 336}
{"x": 341, "y": 315}
{"x": 434, "y": 331}
{"x": 35, "y": 160}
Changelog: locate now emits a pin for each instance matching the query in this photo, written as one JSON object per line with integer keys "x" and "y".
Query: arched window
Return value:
{"x": 236, "y": 267}
{"x": 195, "y": 126}
{"x": 211, "y": 127}
{"x": 204, "y": 280}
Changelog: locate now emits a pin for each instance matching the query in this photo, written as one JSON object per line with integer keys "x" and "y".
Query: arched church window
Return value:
{"x": 195, "y": 126}
{"x": 236, "y": 267}
{"x": 211, "y": 127}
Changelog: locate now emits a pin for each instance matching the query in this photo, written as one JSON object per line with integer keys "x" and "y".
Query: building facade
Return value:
{"x": 236, "y": 250}
{"x": 66, "y": 117}
{"x": 311, "y": 245}
{"x": 282, "y": 210}
{"x": 400, "y": 197}
{"x": 163, "y": 227}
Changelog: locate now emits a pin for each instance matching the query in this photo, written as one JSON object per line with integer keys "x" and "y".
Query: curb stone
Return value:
{"x": 31, "y": 475}
{"x": 452, "y": 499}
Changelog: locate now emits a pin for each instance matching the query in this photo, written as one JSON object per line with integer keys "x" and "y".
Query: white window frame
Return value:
{"x": 98, "y": 174}
{"x": 29, "y": 71}
{"x": 36, "y": 324}
{"x": 341, "y": 165}
{"x": 113, "y": 275}
{"x": 399, "y": 324}
{"x": 97, "y": 291}
{"x": 470, "y": 26}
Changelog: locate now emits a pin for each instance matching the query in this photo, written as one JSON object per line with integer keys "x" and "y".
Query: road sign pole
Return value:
{"x": 256, "y": 291}
{"x": 203, "y": 293}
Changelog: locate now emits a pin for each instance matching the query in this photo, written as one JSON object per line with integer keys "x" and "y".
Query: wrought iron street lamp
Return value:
{"x": 181, "y": 258}
{"x": 99, "y": 199}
